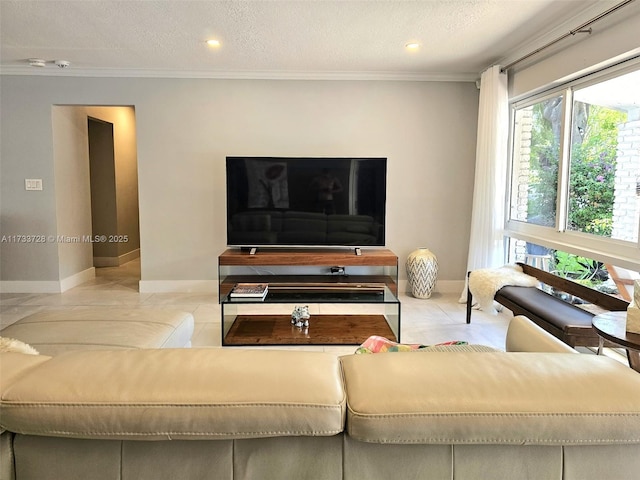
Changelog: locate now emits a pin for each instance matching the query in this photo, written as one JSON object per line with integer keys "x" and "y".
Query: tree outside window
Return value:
{"x": 602, "y": 134}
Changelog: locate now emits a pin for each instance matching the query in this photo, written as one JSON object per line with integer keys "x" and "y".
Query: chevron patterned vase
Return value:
{"x": 422, "y": 271}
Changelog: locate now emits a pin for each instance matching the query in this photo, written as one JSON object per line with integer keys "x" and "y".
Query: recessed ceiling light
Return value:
{"x": 37, "y": 62}
{"x": 412, "y": 45}
{"x": 213, "y": 43}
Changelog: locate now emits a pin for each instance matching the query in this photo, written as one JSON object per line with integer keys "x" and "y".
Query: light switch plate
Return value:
{"x": 33, "y": 184}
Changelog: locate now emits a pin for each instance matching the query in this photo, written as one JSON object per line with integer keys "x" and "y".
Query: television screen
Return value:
{"x": 281, "y": 201}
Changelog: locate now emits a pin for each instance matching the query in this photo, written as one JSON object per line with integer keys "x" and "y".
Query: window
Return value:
{"x": 604, "y": 162}
{"x": 535, "y": 166}
{"x": 575, "y": 170}
{"x": 605, "y": 278}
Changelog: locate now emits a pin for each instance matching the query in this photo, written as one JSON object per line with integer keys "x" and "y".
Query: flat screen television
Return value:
{"x": 306, "y": 201}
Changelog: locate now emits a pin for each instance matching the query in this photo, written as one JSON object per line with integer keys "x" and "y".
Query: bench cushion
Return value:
{"x": 52, "y": 332}
{"x": 483, "y": 398}
{"x": 165, "y": 394}
{"x": 554, "y": 310}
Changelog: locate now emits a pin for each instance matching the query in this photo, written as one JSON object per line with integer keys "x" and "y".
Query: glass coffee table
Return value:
{"x": 612, "y": 326}
{"x": 345, "y": 315}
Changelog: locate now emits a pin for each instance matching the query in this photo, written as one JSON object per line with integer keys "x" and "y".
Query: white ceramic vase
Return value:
{"x": 422, "y": 271}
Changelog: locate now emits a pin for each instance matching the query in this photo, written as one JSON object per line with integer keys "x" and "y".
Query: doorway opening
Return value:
{"x": 114, "y": 185}
{"x": 96, "y": 185}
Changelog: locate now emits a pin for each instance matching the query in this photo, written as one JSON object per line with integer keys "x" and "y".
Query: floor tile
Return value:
{"x": 438, "y": 319}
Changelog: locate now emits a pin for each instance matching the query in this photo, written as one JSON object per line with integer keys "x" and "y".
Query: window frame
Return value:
{"x": 617, "y": 252}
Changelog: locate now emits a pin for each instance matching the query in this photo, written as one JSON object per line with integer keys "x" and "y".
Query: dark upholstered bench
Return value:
{"x": 565, "y": 321}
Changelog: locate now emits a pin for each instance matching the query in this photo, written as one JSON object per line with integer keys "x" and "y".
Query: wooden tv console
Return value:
{"x": 304, "y": 276}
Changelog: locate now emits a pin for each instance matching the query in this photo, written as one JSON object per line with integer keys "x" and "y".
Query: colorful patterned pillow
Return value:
{"x": 377, "y": 344}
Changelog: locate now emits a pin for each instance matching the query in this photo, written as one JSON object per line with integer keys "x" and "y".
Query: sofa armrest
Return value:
{"x": 525, "y": 336}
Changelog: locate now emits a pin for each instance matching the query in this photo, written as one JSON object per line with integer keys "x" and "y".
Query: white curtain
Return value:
{"x": 486, "y": 242}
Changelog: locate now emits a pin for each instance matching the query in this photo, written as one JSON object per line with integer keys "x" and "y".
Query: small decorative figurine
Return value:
{"x": 300, "y": 316}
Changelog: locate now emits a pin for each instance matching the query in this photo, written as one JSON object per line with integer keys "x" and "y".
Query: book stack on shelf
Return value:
{"x": 250, "y": 290}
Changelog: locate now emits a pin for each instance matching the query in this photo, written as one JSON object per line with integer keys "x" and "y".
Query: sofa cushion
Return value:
{"x": 252, "y": 238}
{"x": 507, "y": 398}
{"x": 315, "y": 216}
{"x": 348, "y": 238}
{"x": 55, "y": 331}
{"x": 177, "y": 394}
{"x": 350, "y": 223}
{"x": 252, "y": 222}
{"x": 303, "y": 228}
{"x": 351, "y": 230}
{"x": 14, "y": 365}
{"x": 304, "y": 225}
{"x": 556, "y": 311}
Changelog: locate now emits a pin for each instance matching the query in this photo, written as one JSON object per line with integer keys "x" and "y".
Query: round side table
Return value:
{"x": 612, "y": 326}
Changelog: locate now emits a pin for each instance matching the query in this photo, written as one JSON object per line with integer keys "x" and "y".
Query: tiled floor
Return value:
{"x": 438, "y": 319}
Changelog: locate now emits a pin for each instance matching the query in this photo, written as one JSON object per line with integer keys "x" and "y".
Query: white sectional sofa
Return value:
{"x": 52, "y": 332}
{"x": 212, "y": 413}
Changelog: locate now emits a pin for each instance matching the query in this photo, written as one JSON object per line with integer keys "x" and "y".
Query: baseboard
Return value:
{"x": 116, "y": 261}
{"x": 26, "y": 286}
{"x": 449, "y": 286}
{"x": 77, "y": 279}
{"x": 127, "y": 257}
{"x": 178, "y": 286}
{"x": 170, "y": 286}
{"x": 442, "y": 286}
{"x": 53, "y": 286}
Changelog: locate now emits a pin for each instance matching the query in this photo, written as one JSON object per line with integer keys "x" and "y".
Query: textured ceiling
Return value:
{"x": 277, "y": 38}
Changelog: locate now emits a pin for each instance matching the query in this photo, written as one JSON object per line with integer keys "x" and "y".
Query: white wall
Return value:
{"x": 613, "y": 39}
{"x": 72, "y": 192}
{"x": 186, "y": 128}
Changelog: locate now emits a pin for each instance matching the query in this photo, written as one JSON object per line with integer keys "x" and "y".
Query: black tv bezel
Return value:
{"x": 253, "y": 247}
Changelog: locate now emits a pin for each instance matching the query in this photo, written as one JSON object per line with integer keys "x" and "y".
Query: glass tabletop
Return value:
{"x": 301, "y": 294}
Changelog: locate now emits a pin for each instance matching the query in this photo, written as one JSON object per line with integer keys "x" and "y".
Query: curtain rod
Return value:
{"x": 579, "y": 29}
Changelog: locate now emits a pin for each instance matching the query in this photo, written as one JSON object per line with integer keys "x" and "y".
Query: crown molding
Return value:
{"x": 239, "y": 75}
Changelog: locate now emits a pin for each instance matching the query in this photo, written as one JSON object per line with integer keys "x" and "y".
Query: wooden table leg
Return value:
{"x": 634, "y": 359}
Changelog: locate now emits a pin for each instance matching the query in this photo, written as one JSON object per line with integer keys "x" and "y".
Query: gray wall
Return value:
{"x": 186, "y": 128}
